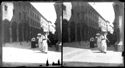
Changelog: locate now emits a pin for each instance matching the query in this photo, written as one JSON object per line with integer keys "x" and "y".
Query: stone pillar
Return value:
{"x": 10, "y": 28}
{"x": 22, "y": 32}
{"x": 2, "y": 33}
{"x": 121, "y": 34}
{"x": 17, "y": 32}
{"x": 81, "y": 31}
{"x": 119, "y": 14}
{"x": 69, "y": 32}
{"x": 60, "y": 29}
{"x": 76, "y": 32}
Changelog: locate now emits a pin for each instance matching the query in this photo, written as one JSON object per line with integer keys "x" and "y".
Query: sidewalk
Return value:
{"x": 76, "y": 55}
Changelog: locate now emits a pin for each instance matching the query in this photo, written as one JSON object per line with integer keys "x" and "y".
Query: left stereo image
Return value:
{"x": 31, "y": 34}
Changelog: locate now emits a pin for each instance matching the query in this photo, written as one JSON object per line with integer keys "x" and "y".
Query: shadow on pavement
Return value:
{"x": 81, "y": 45}
{"x": 20, "y": 64}
{"x": 97, "y": 52}
{"x": 85, "y": 45}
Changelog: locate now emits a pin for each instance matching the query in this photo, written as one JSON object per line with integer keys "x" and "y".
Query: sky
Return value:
{"x": 105, "y": 9}
{"x": 67, "y": 12}
{"x": 46, "y": 9}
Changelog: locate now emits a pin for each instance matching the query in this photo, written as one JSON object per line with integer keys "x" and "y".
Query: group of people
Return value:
{"x": 101, "y": 41}
{"x": 41, "y": 41}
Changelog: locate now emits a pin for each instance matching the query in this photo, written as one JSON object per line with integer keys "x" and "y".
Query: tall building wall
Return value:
{"x": 84, "y": 23}
{"x": 25, "y": 22}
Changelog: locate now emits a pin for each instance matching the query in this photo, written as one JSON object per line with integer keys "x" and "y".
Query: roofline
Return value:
{"x": 97, "y": 13}
{"x": 38, "y": 12}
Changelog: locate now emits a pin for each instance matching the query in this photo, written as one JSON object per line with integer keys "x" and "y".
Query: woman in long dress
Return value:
{"x": 45, "y": 44}
{"x": 40, "y": 41}
{"x": 103, "y": 42}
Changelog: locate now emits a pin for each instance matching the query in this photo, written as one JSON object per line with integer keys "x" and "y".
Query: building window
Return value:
{"x": 72, "y": 11}
{"x": 13, "y": 11}
{"x": 64, "y": 7}
{"x": 19, "y": 15}
{"x": 5, "y": 8}
{"x": 35, "y": 16}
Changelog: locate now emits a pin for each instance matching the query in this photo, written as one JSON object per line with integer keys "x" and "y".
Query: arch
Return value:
{"x": 26, "y": 31}
{"x": 72, "y": 29}
{"x": 65, "y": 31}
{"x": 78, "y": 32}
{"x": 20, "y": 32}
{"x": 6, "y": 31}
{"x": 14, "y": 33}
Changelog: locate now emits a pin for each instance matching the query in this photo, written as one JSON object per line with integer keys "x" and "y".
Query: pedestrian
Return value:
{"x": 103, "y": 42}
{"x": 33, "y": 42}
{"x": 98, "y": 43}
{"x": 45, "y": 44}
{"x": 40, "y": 41}
{"x": 92, "y": 42}
{"x": 58, "y": 44}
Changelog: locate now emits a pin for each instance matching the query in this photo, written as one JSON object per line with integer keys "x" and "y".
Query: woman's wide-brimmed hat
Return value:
{"x": 39, "y": 34}
{"x": 98, "y": 34}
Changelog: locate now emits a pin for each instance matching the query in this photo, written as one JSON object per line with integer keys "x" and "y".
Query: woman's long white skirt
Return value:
{"x": 104, "y": 46}
{"x": 45, "y": 46}
{"x": 41, "y": 46}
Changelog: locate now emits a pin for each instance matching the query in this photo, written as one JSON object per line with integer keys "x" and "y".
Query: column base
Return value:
{"x": 119, "y": 48}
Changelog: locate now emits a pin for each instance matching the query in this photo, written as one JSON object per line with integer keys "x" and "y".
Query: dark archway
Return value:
{"x": 6, "y": 31}
{"x": 14, "y": 31}
{"x": 83, "y": 29}
{"x": 20, "y": 32}
{"x": 26, "y": 31}
{"x": 78, "y": 32}
{"x": 72, "y": 34}
{"x": 65, "y": 31}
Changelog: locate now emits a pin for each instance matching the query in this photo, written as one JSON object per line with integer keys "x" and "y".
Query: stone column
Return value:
{"x": 22, "y": 32}
{"x": 121, "y": 34}
{"x": 60, "y": 28}
{"x": 2, "y": 33}
{"x": 10, "y": 28}
{"x": 17, "y": 32}
{"x": 119, "y": 13}
{"x": 81, "y": 31}
{"x": 75, "y": 31}
{"x": 69, "y": 32}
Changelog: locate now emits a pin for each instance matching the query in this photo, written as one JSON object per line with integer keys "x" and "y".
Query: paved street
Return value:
{"x": 17, "y": 56}
{"x": 79, "y": 56}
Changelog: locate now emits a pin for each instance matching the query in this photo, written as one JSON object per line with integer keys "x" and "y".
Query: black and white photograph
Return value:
{"x": 31, "y": 34}
{"x": 62, "y": 33}
{"x": 93, "y": 34}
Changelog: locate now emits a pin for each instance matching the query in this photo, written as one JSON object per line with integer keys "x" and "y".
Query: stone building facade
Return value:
{"x": 85, "y": 22}
{"x": 21, "y": 21}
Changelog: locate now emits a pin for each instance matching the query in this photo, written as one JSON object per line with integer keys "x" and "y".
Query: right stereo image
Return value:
{"x": 93, "y": 34}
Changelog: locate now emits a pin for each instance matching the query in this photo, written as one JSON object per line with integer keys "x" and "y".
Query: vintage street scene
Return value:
{"x": 93, "y": 34}
{"x": 31, "y": 34}
{"x": 62, "y": 34}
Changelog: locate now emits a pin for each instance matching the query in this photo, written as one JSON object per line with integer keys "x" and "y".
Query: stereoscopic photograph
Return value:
{"x": 62, "y": 34}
